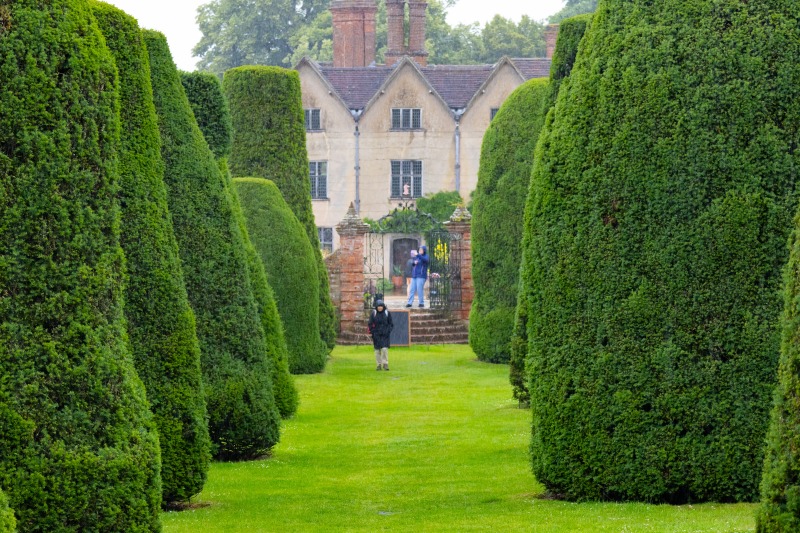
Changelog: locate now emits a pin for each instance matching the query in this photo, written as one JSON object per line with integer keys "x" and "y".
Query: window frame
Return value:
{"x": 314, "y": 177}
{"x": 406, "y": 171}
{"x": 493, "y": 113}
{"x": 309, "y": 114}
{"x": 406, "y": 118}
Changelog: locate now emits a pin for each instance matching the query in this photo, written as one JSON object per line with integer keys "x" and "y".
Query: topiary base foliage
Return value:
{"x": 662, "y": 200}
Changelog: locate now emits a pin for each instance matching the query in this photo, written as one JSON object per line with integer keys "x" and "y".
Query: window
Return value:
{"x": 406, "y": 119}
{"x": 312, "y": 119}
{"x": 325, "y": 239}
{"x": 493, "y": 112}
{"x": 318, "y": 171}
{"x": 406, "y": 176}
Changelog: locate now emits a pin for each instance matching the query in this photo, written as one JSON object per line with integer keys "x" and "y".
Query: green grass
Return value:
{"x": 436, "y": 444}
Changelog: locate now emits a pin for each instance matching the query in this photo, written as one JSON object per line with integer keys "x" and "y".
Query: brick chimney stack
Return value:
{"x": 395, "y": 32}
{"x": 353, "y": 32}
{"x": 416, "y": 35}
{"x": 396, "y": 46}
{"x": 550, "y": 37}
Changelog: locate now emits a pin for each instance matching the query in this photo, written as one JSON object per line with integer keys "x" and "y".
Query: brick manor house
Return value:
{"x": 377, "y": 132}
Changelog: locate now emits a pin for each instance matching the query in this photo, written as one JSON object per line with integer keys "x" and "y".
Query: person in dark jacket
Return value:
{"x": 420, "y": 274}
{"x": 380, "y": 327}
{"x": 409, "y": 273}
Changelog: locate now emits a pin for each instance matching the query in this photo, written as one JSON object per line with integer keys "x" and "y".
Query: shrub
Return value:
{"x": 236, "y": 368}
{"x": 661, "y": 200}
{"x": 161, "y": 324}
{"x": 503, "y": 177}
{"x": 270, "y": 96}
{"x": 210, "y": 109}
{"x": 8, "y": 524}
{"x": 569, "y": 35}
{"x": 288, "y": 258}
{"x": 780, "y": 486}
{"x": 440, "y": 205}
{"x": 283, "y": 386}
{"x": 78, "y": 447}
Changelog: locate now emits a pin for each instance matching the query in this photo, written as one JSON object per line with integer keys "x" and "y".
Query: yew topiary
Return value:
{"x": 161, "y": 325}
{"x": 498, "y": 204}
{"x": 288, "y": 258}
{"x": 243, "y": 419}
{"x": 662, "y": 197}
{"x": 260, "y": 96}
{"x": 78, "y": 447}
{"x": 780, "y": 483}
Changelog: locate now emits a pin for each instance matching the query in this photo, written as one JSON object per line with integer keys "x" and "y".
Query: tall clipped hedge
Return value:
{"x": 243, "y": 419}
{"x": 569, "y": 36}
{"x": 780, "y": 483}
{"x": 161, "y": 325}
{"x": 271, "y": 96}
{"x": 288, "y": 258}
{"x": 213, "y": 116}
{"x": 78, "y": 447}
{"x": 286, "y": 397}
{"x": 662, "y": 198}
{"x": 8, "y": 524}
{"x": 498, "y": 204}
{"x": 210, "y": 109}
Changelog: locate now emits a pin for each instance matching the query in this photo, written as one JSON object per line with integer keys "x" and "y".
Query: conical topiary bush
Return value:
{"x": 243, "y": 419}
{"x": 498, "y": 205}
{"x": 78, "y": 447}
{"x": 161, "y": 324}
{"x": 662, "y": 199}
{"x": 260, "y": 95}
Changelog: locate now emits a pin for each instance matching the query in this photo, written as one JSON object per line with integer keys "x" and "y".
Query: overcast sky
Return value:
{"x": 176, "y": 18}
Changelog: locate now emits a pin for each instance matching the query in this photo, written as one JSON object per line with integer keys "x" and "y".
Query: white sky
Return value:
{"x": 176, "y": 18}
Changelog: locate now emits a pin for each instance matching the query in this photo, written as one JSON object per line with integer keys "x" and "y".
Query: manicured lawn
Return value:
{"x": 436, "y": 444}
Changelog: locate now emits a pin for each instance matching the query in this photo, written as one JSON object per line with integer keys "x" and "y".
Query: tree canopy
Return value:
{"x": 281, "y": 32}
{"x": 573, "y": 8}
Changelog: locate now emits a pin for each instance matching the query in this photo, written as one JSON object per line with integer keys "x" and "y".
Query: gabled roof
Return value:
{"x": 356, "y": 85}
{"x": 406, "y": 62}
{"x": 315, "y": 67}
{"x": 457, "y": 85}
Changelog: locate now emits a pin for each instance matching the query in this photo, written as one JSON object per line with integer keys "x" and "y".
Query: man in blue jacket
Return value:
{"x": 419, "y": 275}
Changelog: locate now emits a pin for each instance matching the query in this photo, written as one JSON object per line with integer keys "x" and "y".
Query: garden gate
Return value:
{"x": 444, "y": 271}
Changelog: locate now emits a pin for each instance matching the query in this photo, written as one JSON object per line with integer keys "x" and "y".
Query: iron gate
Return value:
{"x": 444, "y": 271}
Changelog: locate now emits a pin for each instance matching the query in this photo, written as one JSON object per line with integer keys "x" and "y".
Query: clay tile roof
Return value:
{"x": 356, "y": 85}
{"x": 457, "y": 84}
{"x": 536, "y": 67}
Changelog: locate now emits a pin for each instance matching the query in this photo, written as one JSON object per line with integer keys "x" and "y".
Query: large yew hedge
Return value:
{"x": 78, "y": 447}
{"x": 780, "y": 484}
{"x": 269, "y": 141}
{"x": 236, "y": 368}
{"x": 213, "y": 116}
{"x": 662, "y": 199}
{"x": 569, "y": 36}
{"x": 498, "y": 204}
{"x": 161, "y": 325}
{"x": 288, "y": 258}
